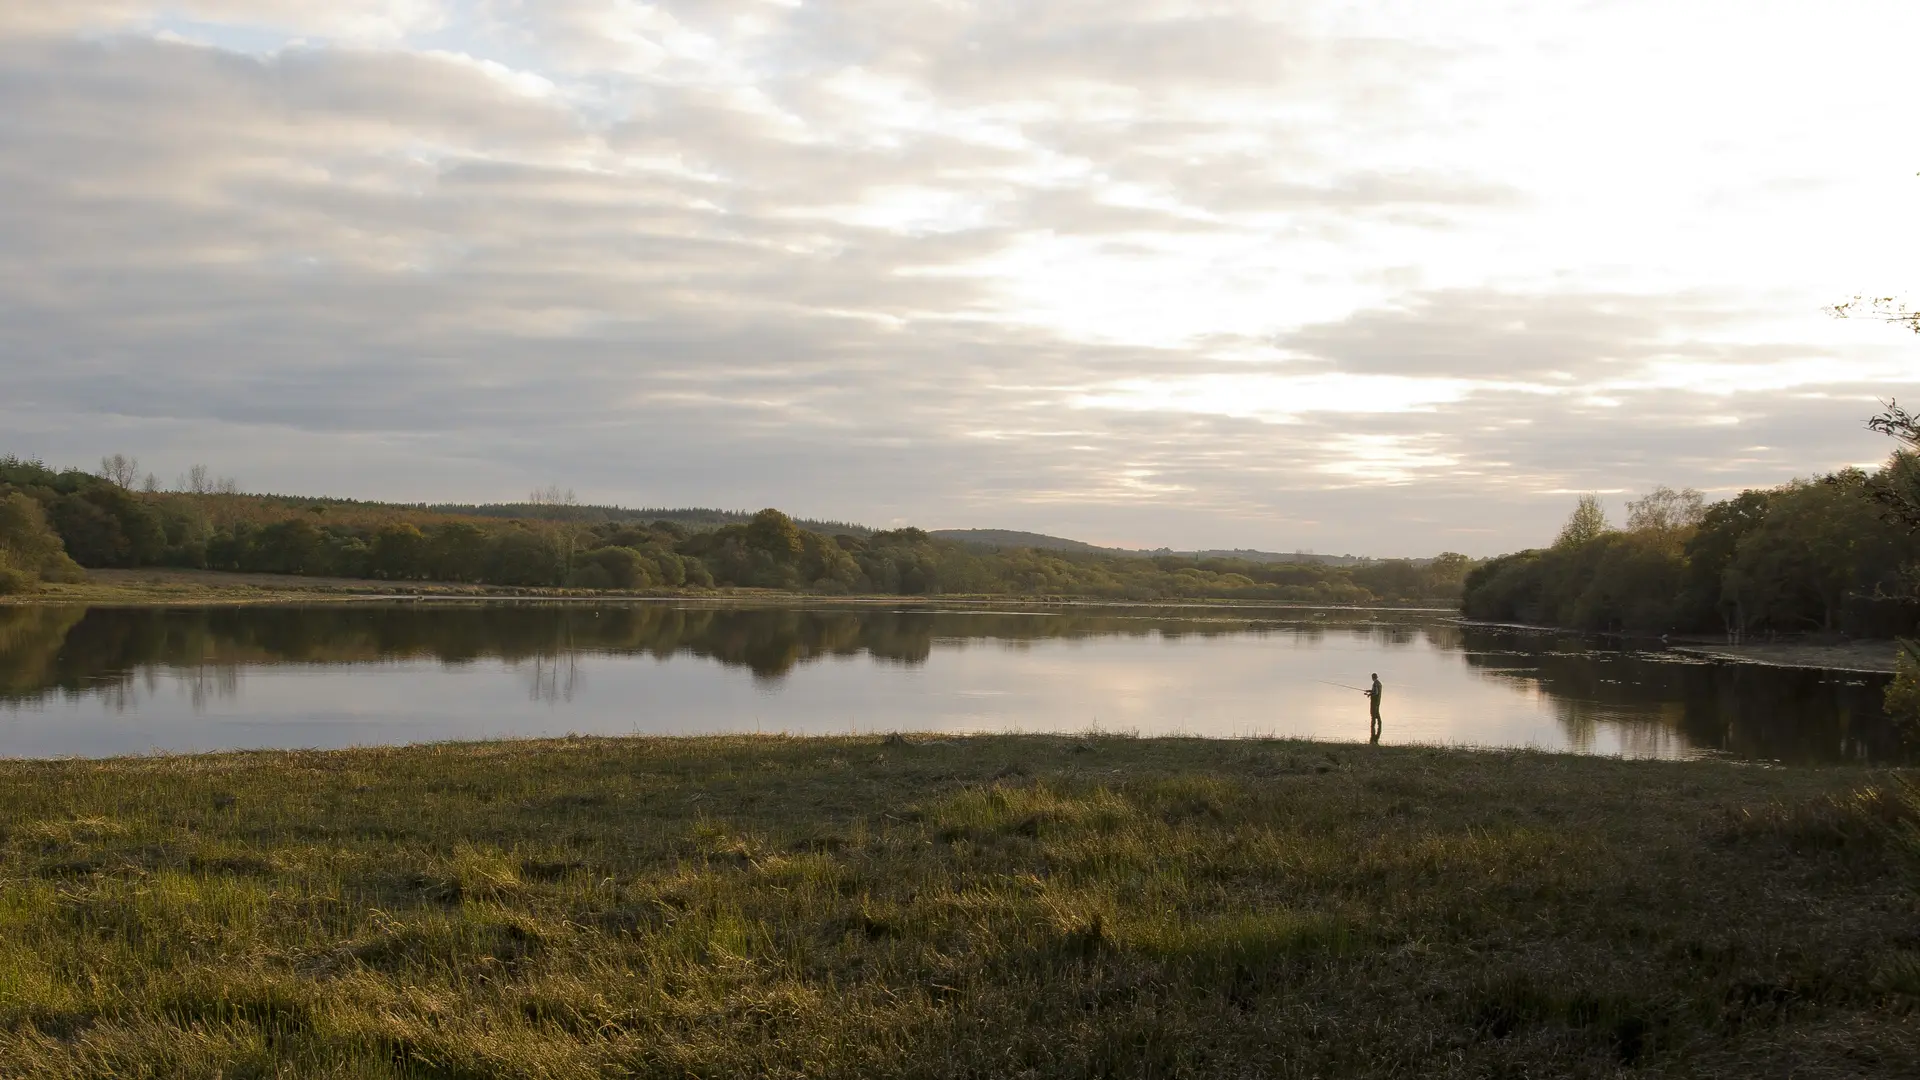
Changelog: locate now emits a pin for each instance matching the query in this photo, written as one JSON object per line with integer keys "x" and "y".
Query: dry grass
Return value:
{"x": 1005, "y": 906}
{"x": 162, "y": 585}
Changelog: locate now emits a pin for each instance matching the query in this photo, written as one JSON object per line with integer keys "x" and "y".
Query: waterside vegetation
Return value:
{"x": 1819, "y": 555}
{"x": 996, "y": 906}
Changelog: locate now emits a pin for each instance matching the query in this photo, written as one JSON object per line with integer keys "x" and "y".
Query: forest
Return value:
{"x": 55, "y": 524}
{"x": 1831, "y": 554}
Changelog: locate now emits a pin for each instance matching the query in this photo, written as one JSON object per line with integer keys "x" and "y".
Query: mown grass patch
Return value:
{"x": 995, "y": 906}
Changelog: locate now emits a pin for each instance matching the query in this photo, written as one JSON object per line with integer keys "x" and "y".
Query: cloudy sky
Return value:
{"x": 1386, "y": 278}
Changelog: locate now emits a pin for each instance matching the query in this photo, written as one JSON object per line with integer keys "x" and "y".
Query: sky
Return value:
{"x": 1383, "y": 278}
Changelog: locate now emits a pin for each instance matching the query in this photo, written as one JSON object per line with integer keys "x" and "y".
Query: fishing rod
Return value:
{"x": 1344, "y": 686}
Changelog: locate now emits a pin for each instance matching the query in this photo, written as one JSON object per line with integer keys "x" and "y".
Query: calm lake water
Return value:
{"x": 105, "y": 681}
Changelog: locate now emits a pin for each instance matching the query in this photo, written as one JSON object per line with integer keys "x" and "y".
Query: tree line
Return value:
{"x": 54, "y": 523}
{"x": 1817, "y": 555}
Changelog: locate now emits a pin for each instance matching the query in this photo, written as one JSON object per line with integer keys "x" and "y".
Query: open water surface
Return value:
{"x": 104, "y": 681}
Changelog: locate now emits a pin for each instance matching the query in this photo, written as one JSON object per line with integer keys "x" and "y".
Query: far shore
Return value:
{"x": 1870, "y": 655}
{"x": 1874, "y": 656}
{"x": 165, "y": 586}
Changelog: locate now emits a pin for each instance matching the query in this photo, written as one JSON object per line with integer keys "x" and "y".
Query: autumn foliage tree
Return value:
{"x": 30, "y": 551}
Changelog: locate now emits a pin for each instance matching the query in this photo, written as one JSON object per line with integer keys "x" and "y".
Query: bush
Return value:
{"x": 30, "y": 551}
{"x": 14, "y": 582}
{"x": 613, "y": 568}
{"x": 589, "y": 575}
{"x": 522, "y": 557}
{"x": 1903, "y": 694}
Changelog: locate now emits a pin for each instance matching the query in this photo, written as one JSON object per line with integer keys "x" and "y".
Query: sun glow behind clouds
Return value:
{"x": 1386, "y": 459}
{"x": 1275, "y": 398}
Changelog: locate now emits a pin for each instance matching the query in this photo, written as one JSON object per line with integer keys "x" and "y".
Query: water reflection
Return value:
{"x": 326, "y": 675}
{"x": 90, "y": 650}
{"x": 1662, "y": 699}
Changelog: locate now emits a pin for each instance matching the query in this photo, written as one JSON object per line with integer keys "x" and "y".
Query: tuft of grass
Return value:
{"x": 992, "y": 906}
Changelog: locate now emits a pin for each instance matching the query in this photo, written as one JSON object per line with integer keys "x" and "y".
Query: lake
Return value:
{"x": 105, "y": 681}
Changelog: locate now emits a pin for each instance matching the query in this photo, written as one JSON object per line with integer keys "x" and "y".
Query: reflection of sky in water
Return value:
{"x": 1267, "y": 683}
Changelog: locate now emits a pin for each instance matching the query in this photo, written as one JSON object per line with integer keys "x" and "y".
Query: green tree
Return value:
{"x": 613, "y": 568}
{"x": 1448, "y": 570}
{"x": 187, "y": 529}
{"x": 1634, "y": 584}
{"x": 1667, "y": 516}
{"x": 523, "y": 557}
{"x": 671, "y": 567}
{"x": 775, "y": 533}
{"x": 293, "y": 546}
{"x": 1507, "y": 589}
{"x": 105, "y": 525}
{"x": 1709, "y": 552}
{"x": 1819, "y": 541}
{"x": 400, "y": 552}
{"x": 1587, "y": 522}
{"x": 457, "y": 551}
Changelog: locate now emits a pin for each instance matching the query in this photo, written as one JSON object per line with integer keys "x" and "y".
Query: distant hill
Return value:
{"x": 1006, "y": 539}
{"x": 1250, "y": 555}
{"x": 987, "y": 539}
{"x": 689, "y": 517}
{"x": 1013, "y": 538}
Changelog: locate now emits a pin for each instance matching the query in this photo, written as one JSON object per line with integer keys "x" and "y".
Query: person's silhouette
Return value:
{"x": 1373, "y": 706}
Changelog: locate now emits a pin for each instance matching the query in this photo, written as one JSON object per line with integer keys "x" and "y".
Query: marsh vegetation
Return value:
{"x": 1009, "y": 906}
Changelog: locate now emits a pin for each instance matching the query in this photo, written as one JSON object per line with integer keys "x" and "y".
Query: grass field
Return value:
{"x": 161, "y": 585}
{"x": 986, "y": 907}
{"x": 169, "y": 586}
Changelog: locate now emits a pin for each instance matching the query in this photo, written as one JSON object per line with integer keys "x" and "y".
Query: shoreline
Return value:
{"x": 1872, "y": 656}
{"x": 533, "y": 745}
{"x": 161, "y": 587}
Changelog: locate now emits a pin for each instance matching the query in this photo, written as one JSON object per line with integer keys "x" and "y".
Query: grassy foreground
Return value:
{"x": 986, "y": 907}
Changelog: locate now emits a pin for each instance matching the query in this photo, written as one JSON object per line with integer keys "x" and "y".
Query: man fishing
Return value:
{"x": 1373, "y": 700}
{"x": 1373, "y": 706}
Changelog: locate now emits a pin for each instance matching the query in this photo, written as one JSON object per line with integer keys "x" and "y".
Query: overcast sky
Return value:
{"x": 1383, "y": 278}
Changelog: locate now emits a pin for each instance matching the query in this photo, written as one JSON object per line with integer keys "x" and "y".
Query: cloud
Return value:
{"x": 1202, "y": 275}
{"x": 1555, "y": 338}
{"x": 384, "y": 20}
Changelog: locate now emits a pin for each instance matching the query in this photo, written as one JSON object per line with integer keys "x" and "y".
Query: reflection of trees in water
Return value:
{"x": 1749, "y": 710}
{"x": 123, "y": 691}
{"x": 31, "y": 640}
{"x": 1635, "y": 734}
{"x": 61, "y": 650}
{"x": 79, "y": 650}
{"x": 205, "y": 682}
{"x": 1358, "y": 629}
{"x": 552, "y": 679}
